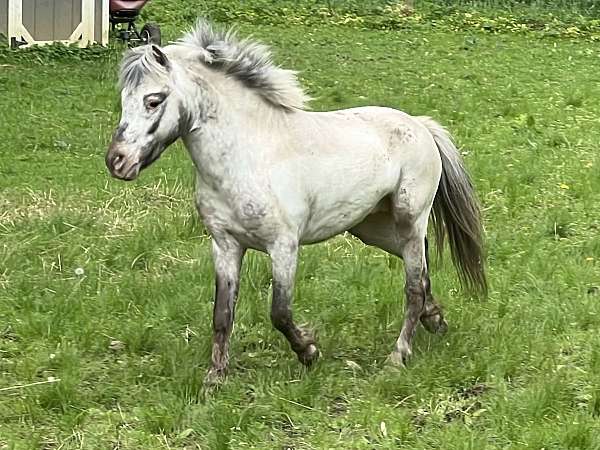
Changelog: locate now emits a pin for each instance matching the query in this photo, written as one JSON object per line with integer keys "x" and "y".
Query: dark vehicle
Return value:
{"x": 123, "y": 14}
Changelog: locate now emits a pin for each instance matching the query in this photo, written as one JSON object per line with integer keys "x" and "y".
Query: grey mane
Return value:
{"x": 136, "y": 64}
{"x": 249, "y": 62}
{"x": 245, "y": 60}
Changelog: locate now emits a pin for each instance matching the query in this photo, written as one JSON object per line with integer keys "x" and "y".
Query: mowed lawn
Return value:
{"x": 106, "y": 287}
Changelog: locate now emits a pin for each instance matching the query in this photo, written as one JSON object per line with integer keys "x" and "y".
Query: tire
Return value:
{"x": 150, "y": 34}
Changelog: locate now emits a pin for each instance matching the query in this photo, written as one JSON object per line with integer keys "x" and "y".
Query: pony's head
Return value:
{"x": 157, "y": 101}
{"x": 151, "y": 109}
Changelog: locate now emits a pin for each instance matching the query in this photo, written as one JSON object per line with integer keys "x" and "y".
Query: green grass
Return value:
{"x": 129, "y": 339}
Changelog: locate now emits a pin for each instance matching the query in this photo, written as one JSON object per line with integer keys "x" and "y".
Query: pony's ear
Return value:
{"x": 160, "y": 57}
{"x": 217, "y": 50}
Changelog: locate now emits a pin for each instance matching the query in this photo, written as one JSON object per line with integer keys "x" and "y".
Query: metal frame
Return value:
{"x": 83, "y": 34}
{"x": 124, "y": 27}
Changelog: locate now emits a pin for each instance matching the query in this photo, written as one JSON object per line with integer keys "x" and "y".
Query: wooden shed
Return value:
{"x": 35, "y": 22}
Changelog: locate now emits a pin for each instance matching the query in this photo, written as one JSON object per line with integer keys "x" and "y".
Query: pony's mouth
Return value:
{"x": 126, "y": 168}
{"x": 121, "y": 165}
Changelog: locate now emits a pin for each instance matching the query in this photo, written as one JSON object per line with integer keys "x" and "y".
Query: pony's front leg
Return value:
{"x": 284, "y": 257}
{"x": 227, "y": 256}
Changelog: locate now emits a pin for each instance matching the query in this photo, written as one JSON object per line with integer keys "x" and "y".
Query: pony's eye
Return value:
{"x": 153, "y": 101}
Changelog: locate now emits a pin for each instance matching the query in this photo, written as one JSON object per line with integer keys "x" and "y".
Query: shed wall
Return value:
{"x": 4, "y": 17}
{"x": 98, "y": 21}
{"x": 49, "y": 20}
{"x": 43, "y": 21}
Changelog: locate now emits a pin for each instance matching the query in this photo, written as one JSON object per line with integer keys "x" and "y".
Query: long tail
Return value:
{"x": 456, "y": 212}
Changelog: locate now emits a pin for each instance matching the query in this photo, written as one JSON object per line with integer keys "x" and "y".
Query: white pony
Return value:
{"x": 272, "y": 176}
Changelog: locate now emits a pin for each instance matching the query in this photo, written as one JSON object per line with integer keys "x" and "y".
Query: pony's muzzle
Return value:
{"x": 120, "y": 165}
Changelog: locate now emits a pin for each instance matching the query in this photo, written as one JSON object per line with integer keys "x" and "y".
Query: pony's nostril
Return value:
{"x": 118, "y": 162}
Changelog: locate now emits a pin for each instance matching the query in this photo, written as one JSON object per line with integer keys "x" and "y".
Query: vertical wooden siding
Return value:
{"x": 53, "y": 20}
{"x": 98, "y": 21}
{"x": 4, "y": 17}
{"x": 49, "y": 20}
{"x": 75, "y": 14}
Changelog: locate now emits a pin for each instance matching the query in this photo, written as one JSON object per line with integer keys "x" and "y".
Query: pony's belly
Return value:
{"x": 336, "y": 219}
{"x": 321, "y": 232}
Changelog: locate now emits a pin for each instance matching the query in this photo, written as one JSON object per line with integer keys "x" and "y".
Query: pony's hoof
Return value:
{"x": 309, "y": 355}
{"x": 399, "y": 357}
{"x": 435, "y": 323}
{"x": 214, "y": 378}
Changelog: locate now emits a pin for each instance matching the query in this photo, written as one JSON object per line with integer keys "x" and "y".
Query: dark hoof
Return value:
{"x": 435, "y": 323}
{"x": 309, "y": 355}
{"x": 214, "y": 378}
{"x": 399, "y": 357}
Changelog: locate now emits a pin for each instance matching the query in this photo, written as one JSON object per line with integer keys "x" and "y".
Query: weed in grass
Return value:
{"x": 575, "y": 100}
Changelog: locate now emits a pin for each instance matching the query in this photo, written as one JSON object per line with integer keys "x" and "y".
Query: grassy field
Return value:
{"x": 106, "y": 287}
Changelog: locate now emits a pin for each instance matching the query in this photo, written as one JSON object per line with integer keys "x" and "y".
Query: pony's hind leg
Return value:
{"x": 379, "y": 230}
{"x": 382, "y": 230}
{"x": 413, "y": 254}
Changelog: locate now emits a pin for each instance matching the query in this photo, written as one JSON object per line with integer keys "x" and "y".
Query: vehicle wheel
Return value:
{"x": 150, "y": 34}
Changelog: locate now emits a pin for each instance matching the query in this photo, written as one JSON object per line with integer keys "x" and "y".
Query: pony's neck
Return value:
{"x": 232, "y": 127}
